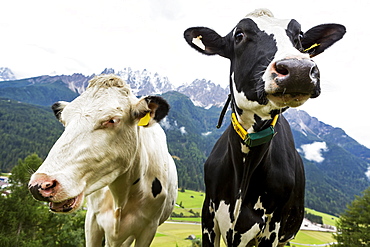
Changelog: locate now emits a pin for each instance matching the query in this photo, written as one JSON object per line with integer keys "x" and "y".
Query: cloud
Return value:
{"x": 367, "y": 173}
{"x": 313, "y": 151}
{"x": 182, "y": 130}
{"x": 165, "y": 123}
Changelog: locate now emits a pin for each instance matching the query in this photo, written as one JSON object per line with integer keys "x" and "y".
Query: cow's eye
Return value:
{"x": 238, "y": 37}
{"x": 297, "y": 42}
{"x": 111, "y": 122}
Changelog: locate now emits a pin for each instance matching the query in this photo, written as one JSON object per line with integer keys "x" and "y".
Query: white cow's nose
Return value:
{"x": 42, "y": 187}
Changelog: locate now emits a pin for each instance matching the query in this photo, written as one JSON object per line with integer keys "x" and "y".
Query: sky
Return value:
{"x": 43, "y": 37}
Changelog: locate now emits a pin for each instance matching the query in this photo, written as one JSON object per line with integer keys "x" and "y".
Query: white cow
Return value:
{"x": 114, "y": 152}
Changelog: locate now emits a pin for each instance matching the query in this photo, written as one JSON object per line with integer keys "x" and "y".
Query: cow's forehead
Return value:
{"x": 97, "y": 103}
{"x": 270, "y": 25}
{"x": 281, "y": 31}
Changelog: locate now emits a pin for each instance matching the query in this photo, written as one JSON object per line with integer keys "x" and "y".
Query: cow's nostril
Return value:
{"x": 43, "y": 188}
{"x": 48, "y": 185}
{"x": 281, "y": 68}
{"x": 315, "y": 73}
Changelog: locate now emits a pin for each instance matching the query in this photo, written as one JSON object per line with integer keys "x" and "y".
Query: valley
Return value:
{"x": 337, "y": 166}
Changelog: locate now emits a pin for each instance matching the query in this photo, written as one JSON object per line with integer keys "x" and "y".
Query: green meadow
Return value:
{"x": 174, "y": 233}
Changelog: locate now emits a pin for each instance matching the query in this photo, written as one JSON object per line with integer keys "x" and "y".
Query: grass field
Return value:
{"x": 327, "y": 219}
{"x": 174, "y": 234}
{"x": 313, "y": 237}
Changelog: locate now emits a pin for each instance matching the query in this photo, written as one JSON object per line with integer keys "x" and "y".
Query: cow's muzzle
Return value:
{"x": 294, "y": 82}
{"x": 45, "y": 188}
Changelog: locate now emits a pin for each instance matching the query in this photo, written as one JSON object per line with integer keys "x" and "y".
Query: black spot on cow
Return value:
{"x": 237, "y": 239}
{"x": 233, "y": 238}
{"x": 156, "y": 187}
{"x": 272, "y": 226}
{"x": 229, "y": 237}
{"x": 268, "y": 241}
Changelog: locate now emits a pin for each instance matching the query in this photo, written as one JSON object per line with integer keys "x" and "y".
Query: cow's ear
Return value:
{"x": 150, "y": 109}
{"x": 58, "y": 108}
{"x": 206, "y": 41}
{"x": 319, "y": 38}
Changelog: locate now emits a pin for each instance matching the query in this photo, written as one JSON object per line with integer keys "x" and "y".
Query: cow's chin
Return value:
{"x": 67, "y": 206}
{"x": 291, "y": 100}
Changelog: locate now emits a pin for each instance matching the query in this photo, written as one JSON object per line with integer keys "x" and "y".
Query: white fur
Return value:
{"x": 250, "y": 108}
{"x": 94, "y": 153}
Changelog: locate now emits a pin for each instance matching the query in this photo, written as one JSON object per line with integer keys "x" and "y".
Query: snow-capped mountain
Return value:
{"x": 205, "y": 93}
{"x": 76, "y": 82}
{"x": 317, "y": 131}
{"x": 6, "y": 74}
{"x": 202, "y": 93}
{"x": 312, "y": 130}
{"x": 143, "y": 82}
{"x": 300, "y": 120}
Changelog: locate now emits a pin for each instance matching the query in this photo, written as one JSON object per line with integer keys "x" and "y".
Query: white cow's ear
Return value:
{"x": 58, "y": 108}
{"x": 150, "y": 109}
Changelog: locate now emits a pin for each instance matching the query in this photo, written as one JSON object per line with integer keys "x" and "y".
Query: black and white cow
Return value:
{"x": 254, "y": 176}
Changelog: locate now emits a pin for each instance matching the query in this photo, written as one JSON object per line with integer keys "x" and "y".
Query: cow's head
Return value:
{"x": 271, "y": 67}
{"x": 100, "y": 142}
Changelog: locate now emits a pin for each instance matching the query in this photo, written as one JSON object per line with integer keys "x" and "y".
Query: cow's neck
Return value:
{"x": 127, "y": 184}
{"x": 253, "y": 129}
{"x": 251, "y": 114}
{"x": 253, "y": 121}
{"x": 125, "y": 188}
{"x": 251, "y": 157}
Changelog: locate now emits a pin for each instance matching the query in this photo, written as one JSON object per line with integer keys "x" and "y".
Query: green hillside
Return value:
{"x": 45, "y": 93}
{"x": 191, "y": 134}
{"x": 341, "y": 175}
{"x": 175, "y": 234}
{"x": 25, "y": 129}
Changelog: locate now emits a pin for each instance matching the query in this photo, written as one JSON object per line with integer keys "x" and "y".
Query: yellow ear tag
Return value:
{"x": 144, "y": 121}
{"x": 311, "y": 47}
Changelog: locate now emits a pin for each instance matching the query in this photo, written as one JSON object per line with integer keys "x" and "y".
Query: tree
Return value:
{"x": 354, "y": 224}
{"x": 27, "y": 222}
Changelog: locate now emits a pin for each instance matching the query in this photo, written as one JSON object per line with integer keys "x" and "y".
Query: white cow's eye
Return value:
{"x": 111, "y": 122}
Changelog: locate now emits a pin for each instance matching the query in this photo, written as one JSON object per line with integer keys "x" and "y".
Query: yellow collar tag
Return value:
{"x": 144, "y": 121}
{"x": 237, "y": 127}
{"x": 254, "y": 139}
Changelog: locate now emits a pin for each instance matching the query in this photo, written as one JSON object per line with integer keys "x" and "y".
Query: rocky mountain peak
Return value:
{"x": 6, "y": 74}
{"x": 205, "y": 93}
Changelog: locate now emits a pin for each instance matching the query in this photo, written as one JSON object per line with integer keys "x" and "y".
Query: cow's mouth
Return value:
{"x": 288, "y": 99}
{"x": 68, "y": 205}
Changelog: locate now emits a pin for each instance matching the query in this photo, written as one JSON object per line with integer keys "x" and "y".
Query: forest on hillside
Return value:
{"x": 25, "y": 129}
{"x": 191, "y": 133}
